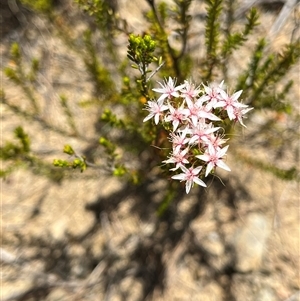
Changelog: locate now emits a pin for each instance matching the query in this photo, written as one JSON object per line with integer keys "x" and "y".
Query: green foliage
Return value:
{"x": 263, "y": 74}
{"x": 101, "y": 10}
{"x": 17, "y": 154}
{"x": 11, "y": 150}
{"x": 110, "y": 148}
{"x": 20, "y": 77}
{"x": 127, "y": 90}
{"x": 140, "y": 51}
{"x": 76, "y": 163}
{"x": 248, "y": 78}
{"x": 43, "y": 6}
{"x": 32, "y": 117}
{"x": 274, "y": 68}
{"x": 159, "y": 18}
{"x": 180, "y": 14}
{"x": 234, "y": 40}
{"x": 212, "y": 36}
{"x": 70, "y": 118}
{"x": 104, "y": 85}
{"x": 112, "y": 119}
{"x": 120, "y": 171}
{"x": 69, "y": 150}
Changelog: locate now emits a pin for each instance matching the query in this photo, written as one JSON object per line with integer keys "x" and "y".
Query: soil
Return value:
{"x": 94, "y": 237}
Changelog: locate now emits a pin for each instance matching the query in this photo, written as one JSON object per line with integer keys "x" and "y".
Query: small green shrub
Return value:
{"x": 151, "y": 55}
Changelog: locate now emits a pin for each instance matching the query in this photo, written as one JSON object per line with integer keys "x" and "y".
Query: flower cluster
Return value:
{"x": 194, "y": 115}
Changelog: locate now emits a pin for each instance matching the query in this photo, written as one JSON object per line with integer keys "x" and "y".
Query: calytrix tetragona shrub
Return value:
{"x": 193, "y": 115}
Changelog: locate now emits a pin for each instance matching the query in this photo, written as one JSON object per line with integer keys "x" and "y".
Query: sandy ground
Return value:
{"x": 92, "y": 237}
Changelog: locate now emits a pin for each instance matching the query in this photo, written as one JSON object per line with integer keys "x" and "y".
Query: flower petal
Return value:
{"x": 223, "y": 165}
{"x": 199, "y": 182}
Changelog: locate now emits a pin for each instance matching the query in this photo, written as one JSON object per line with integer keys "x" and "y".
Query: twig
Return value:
{"x": 155, "y": 71}
{"x": 282, "y": 17}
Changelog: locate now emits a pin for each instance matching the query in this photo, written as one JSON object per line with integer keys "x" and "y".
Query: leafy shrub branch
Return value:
{"x": 121, "y": 137}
